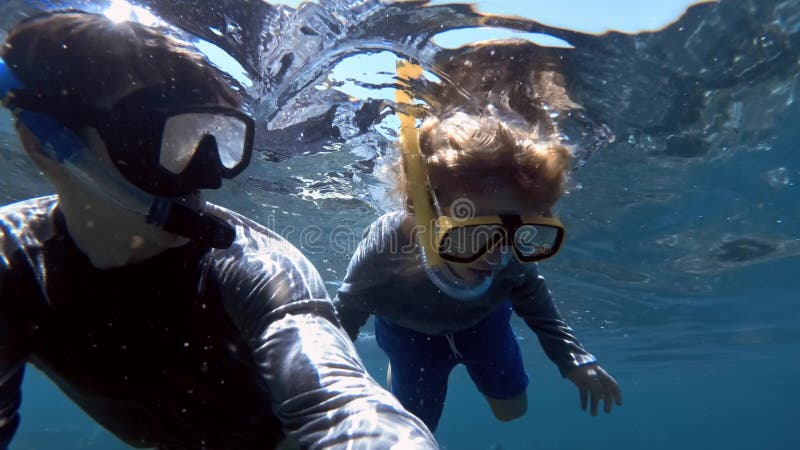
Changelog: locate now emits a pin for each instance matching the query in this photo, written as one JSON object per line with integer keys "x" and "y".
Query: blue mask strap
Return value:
{"x": 58, "y": 142}
{"x": 7, "y": 81}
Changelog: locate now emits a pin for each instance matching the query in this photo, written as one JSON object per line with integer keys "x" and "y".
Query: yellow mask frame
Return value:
{"x": 509, "y": 224}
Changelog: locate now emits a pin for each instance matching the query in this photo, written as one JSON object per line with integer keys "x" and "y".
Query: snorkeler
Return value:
{"x": 443, "y": 295}
{"x": 174, "y": 323}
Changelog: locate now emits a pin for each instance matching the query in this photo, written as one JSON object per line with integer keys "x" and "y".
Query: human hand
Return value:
{"x": 593, "y": 381}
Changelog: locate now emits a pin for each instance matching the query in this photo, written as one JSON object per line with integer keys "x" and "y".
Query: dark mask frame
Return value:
{"x": 132, "y": 130}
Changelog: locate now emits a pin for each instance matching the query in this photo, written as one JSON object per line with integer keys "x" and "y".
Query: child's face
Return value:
{"x": 487, "y": 199}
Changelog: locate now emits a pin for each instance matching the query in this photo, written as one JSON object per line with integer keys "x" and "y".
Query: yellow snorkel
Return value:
{"x": 414, "y": 165}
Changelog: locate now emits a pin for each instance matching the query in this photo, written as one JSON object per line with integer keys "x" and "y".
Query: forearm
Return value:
{"x": 323, "y": 395}
{"x": 536, "y": 306}
{"x": 560, "y": 344}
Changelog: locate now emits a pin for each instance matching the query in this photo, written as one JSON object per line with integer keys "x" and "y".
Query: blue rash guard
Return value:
{"x": 194, "y": 348}
{"x": 386, "y": 278}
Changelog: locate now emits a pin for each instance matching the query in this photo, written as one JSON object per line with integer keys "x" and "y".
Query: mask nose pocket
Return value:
{"x": 204, "y": 170}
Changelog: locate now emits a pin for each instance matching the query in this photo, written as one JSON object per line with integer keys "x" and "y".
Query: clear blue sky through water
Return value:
{"x": 629, "y": 16}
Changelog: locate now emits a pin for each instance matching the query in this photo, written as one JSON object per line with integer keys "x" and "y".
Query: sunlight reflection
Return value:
{"x": 120, "y": 11}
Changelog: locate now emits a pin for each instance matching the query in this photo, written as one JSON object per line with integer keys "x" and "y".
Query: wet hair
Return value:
{"x": 89, "y": 59}
{"x": 480, "y": 152}
{"x": 512, "y": 75}
{"x": 492, "y": 122}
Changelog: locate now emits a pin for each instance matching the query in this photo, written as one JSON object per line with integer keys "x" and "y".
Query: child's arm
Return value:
{"x": 533, "y": 302}
{"x": 357, "y": 292}
{"x": 351, "y": 316}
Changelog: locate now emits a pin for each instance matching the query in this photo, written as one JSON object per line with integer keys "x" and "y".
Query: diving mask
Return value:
{"x": 180, "y": 213}
{"x": 465, "y": 241}
{"x": 165, "y": 151}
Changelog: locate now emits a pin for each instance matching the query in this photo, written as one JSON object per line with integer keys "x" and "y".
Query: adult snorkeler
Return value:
{"x": 443, "y": 294}
{"x": 174, "y": 323}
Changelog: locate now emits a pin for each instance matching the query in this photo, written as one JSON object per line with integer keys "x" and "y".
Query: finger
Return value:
{"x": 608, "y": 401}
{"x": 618, "y": 394}
{"x": 584, "y": 398}
{"x": 610, "y": 383}
{"x": 595, "y": 401}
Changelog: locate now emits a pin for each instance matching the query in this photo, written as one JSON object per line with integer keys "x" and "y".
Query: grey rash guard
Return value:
{"x": 386, "y": 278}
{"x": 194, "y": 348}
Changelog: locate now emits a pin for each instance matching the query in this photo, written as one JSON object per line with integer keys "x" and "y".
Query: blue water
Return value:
{"x": 678, "y": 274}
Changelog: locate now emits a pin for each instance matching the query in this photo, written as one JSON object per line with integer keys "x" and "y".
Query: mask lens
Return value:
{"x": 467, "y": 243}
{"x": 535, "y": 241}
{"x": 183, "y": 133}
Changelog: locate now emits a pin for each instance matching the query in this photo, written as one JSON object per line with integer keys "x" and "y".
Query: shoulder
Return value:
{"x": 26, "y": 225}
{"x": 389, "y": 222}
{"x": 262, "y": 270}
{"x": 25, "y": 228}
{"x": 384, "y": 234}
{"x": 382, "y": 240}
{"x": 382, "y": 252}
{"x": 254, "y": 239}
{"x": 26, "y": 215}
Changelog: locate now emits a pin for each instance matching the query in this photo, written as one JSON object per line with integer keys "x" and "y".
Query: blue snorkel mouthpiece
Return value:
{"x": 63, "y": 145}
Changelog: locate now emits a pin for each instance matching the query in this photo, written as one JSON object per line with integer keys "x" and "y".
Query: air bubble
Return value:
{"x": 778, "y": 178}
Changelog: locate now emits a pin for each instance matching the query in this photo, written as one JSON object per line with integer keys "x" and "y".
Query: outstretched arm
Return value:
{"x": 323, "y": 395}
{"x": 372, "y": 264}
{"x": 318, "y": 386}
{"x": 533, "y": 302}
{"x": 353, "y": 299}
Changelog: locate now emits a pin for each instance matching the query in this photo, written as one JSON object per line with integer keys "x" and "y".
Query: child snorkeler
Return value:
{"x": 443, "y": 295}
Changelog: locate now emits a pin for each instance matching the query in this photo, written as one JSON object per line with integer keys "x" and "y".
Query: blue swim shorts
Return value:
{"x": 421, "y": 363}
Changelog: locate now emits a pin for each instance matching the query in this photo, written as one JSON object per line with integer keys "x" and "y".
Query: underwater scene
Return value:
{"x": 680, "y": 212}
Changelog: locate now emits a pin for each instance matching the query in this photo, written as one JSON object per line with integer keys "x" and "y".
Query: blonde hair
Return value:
{"x": 493, "y": 120}
{"x": 472, "y": 149}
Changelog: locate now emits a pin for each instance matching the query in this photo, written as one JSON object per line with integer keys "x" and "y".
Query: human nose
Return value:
{"x": 497, "y": 257}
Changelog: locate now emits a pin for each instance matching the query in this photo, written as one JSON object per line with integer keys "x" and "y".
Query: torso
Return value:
{"x": 148, "y": 350}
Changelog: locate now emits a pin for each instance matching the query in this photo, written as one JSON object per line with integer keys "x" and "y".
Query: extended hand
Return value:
{"x": 593, "y": 381}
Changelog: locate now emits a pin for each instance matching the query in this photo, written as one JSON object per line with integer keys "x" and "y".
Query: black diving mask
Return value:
{"x": 166, "y": 151}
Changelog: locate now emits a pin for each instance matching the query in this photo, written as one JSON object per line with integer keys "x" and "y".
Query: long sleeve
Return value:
{"x": 352, "y": 302}
{"x": 323, "y": 395}
{"x": 533, "y": 302}
{"x": 318, "y": 386}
